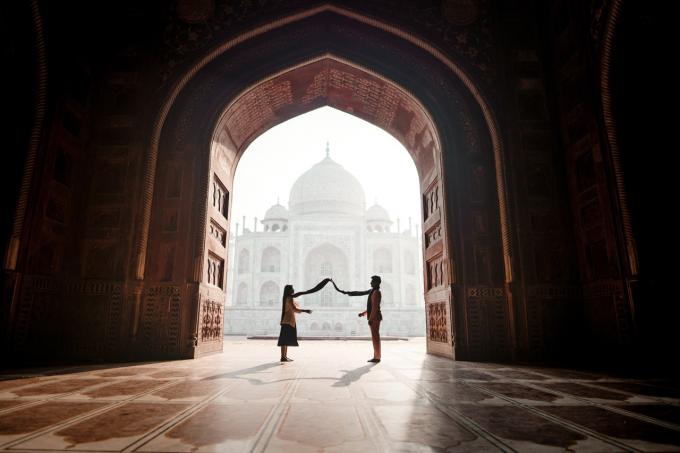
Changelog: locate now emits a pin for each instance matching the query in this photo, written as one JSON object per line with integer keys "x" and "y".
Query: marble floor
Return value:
{"x": 330, "y": 400}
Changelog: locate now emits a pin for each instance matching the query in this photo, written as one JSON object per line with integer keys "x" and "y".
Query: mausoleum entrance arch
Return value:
{"x": 331, "y": 57}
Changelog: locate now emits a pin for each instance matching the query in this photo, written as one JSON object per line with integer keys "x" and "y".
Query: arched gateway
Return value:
{"x": 157, "y": 289}
{"x": 328, "y": 56}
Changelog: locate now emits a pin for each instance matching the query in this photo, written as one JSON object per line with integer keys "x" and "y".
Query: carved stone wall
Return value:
{"x": 600, "y": 250}
{"x": 123, "y": 249}
{"x": 538, "y": 188}
{"x": 81, "y": 319}
{"x": 487, "y": 324}
{"x": 160, "y": 333}
{"x": 437, "y": 322}
{"x": 484, "y": 329}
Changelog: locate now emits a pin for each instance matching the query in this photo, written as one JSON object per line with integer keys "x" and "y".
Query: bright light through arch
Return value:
{"x": 265, "y": 175}
{"x": 274, "y": 160}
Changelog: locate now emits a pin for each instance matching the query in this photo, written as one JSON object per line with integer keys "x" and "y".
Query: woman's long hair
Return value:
{"x": 287, "y": 291}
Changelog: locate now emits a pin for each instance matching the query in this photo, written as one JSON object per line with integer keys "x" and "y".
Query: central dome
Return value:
{"x": 327, "y": 188}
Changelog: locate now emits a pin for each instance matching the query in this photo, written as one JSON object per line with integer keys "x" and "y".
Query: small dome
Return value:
{"x": 276, "y": 212}
{"x": 377, "y": 213}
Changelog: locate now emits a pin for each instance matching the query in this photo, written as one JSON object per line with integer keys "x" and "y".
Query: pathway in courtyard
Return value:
{"x": 329, "y": 399}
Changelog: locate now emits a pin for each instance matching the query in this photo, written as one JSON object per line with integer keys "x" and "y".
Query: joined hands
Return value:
{"x": 338, "y": 289}
{"x": 362, "y": 314}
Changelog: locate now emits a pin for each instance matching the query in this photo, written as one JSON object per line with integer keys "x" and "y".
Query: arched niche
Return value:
{"x": 332, "y": 57}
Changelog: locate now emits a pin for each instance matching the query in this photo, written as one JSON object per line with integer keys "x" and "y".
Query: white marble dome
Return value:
{"x": 377, "y": 213}
{"x": 276, "y": 212}
{"x": 327, "y": 188}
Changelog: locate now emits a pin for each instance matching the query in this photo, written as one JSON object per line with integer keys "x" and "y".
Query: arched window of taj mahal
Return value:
{"x": 327, "y": 296}
{"x": 271, "y": 260}
{"x": 244, "y": 261}
{"x": 269, "y": 294}
{"x": 410, "y": 295}
{"x": 242, "y": 294}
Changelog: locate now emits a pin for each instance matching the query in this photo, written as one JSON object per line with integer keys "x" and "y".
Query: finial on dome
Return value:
{"x": 328, "y": 149}
{"x": 277, "y": 200}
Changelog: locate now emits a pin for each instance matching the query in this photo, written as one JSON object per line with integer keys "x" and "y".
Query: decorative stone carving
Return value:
{"x": 215, "y": 270}
{"x": 459, "y": 26}
{"x": 217, "y": 232}
{"x": 487, "y": 322}
{"x": 211, "y": 321}
{"x": 433, "y": 236}
{"x": 219, "y": 197}
{"x": 435, "y": 273}
{"x": 431, "y": 201}
{"x": 437, "y": 325}
{"x": 161, "y": 319}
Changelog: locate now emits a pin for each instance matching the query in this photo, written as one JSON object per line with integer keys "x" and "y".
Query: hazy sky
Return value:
{"x": 273, "y": 162}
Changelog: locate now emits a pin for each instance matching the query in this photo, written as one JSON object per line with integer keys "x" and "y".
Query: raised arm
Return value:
{"x": 358, "y": 293}
{"x": 320, "y": 285}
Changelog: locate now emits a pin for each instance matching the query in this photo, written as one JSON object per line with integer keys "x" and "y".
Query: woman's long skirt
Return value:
{"x": 288, "y": 335}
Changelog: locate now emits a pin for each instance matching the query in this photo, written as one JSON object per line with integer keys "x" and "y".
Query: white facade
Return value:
{"x": 326, "y": 233}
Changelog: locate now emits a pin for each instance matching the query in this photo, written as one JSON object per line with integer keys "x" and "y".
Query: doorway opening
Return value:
{"x": 347, "y": 210}
{"x": 435, "y": 112}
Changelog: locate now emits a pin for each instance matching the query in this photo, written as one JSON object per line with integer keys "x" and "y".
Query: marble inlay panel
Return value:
{"x": 243, "y": 391}
{"x": 112, "y": 430}
{"x": 665, "y": 412}
{"x": 57, "y": 387}
{"x": 193, "y": 390}
{"x": 456, "y": 392}
{"x": 393, "y": 391}
{"x": 215, "y": 427}
{"x": 643, "y": 389}
{"x": 520, "y": 428}
{"x": 12, "y": 383}
{"x": 518, "y": 374}
{"x": 15, "y": 424}
{"x": 585, "y": 391}
{"x": 321, "y": 390}
{"x": 319, "y": 426}
{"x": 331, "y": 400}
{"x": 416, "y": 428}
{"x": 7, "y": 404}
{"x": 642, "y": 435}
{"x": 126, "y": 371}
{"x": 520, "y": 392}
{"x": 123, "y": 388}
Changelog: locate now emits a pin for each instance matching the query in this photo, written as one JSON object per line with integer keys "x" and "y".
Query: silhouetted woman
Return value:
{"x": 288, "y": 335}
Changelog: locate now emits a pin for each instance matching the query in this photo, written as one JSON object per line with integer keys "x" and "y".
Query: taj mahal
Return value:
{"x": 326, "y": 231}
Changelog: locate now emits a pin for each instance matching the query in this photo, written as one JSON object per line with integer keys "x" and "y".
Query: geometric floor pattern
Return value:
{"x": 330, "y": 400}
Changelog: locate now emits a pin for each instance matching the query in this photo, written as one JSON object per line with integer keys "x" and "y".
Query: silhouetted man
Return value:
{"x": 372, "y": 312}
